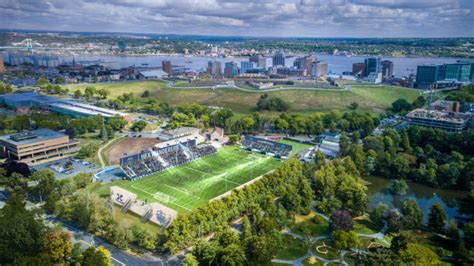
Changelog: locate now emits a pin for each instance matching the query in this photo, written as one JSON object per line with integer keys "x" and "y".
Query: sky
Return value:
{"x": 277, "y": 18}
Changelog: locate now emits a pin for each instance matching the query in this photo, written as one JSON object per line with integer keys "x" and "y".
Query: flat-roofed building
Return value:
{"x": 36, "y": 146}
{"x": 449, "y": 121}
{"x": 180, "y": 132}
{"x": 30, "y": 100}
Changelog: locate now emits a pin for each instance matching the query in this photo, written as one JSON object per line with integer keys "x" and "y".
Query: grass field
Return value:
{"x": 373, "y": 99}
{"x": 297, "y": 147}
{"x": 191, "y": 185}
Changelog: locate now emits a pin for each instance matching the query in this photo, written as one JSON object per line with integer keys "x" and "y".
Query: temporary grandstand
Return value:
{"x": 266, "y": 146}
{"x": 164, "y": 155}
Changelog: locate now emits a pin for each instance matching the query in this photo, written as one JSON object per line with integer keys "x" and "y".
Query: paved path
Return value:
{"x": 233, "y": 86}
{"x": 299, "y": 261}
{"x": 99, "y": 152}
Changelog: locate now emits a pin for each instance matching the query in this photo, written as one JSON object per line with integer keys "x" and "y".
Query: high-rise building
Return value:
{"x": 319, "y": 69}
{"x": 167, "y": 66}
{"x": 387, "y": 69}
{"x": 122, "y": 45}
{"x": 278, "y": 59}
{"x": 305, "y": 62}
{"x": 2, "y": 65}
{"x": 426, "y": 75}
{"x": 260, "y": 60}
{"x": 372, "y": 65}
{"x": 358, "y": 70}
{"x": 460, "y": 72}
{"x": 231, "y": 70}
{"x": 214, "y": 68}
{"x": 245, "y": 66}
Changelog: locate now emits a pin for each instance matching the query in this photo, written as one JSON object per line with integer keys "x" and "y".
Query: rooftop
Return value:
{"x": 27, "y": 137}
{"x": 451, "y": 117}
{"x": 181, "y": 131}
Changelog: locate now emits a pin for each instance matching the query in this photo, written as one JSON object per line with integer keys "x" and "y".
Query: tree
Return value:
{"x": 204, "y": 252}
{"x": 103, "y": 93}
{"x": 353, "y": 105}
{"x": 340, "y": 221}
{"x": 345, "y": 240}
{"x": 412, "y": 214}
{"x": 60, "y": 80}
{"x": 453, "y": 232}
{"x": 89, "y": 92}
{"x": 234, "y": 139}
{"x": 57, "y": 246}
{"x": 401, "y": 105}
{"x": 344, "y": 144}
{"x": 190, "y": 260}
{"x": 419, "y": 102}
{"x": 232, "y": 254}
{"x": 398, "y": 187}
{"x": 103, "y": 134}
{"x": 378, "y": 214}
{"x": 419, "y": 254}
{"x": 77, "y": 94}
{"x": 261, "y": 250}
{"x": 399, "y": 243}
{"x": 96, "y": 256}
{"x": 47, "y": 183}
{"x": 21, "y": 230}
{"x": 116, "y": 122}
{"x": 469, "y": 233}
{"x": 139, "y": 125}
{"x": 143, "y": 238}
{"x": 319, "y": 159}
{"x": 437, "y": 218}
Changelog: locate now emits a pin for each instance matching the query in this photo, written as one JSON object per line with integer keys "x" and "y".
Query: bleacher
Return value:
{"x": 266, "y": 146}
{"x": 146, "y": 163}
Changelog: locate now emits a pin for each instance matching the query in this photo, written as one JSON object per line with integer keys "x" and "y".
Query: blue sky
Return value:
{"x": 309, "y": 18}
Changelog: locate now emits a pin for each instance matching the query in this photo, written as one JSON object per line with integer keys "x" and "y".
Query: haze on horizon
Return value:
{"x": 303, "y": 18}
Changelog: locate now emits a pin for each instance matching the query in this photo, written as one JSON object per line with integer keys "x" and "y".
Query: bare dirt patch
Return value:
{"x": 129, "y": 146}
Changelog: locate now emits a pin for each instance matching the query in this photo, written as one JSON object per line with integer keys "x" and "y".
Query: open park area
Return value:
{"x": 374, "y": 99}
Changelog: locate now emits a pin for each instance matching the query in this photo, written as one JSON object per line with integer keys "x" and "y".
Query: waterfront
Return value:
{"x": 337, "y": 64}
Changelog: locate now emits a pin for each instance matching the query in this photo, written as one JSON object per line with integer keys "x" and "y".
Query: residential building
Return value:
{"x": 449, "y": 121}
{"x": 358, "y": 70}
{"x": 260, "y": 60}
{"x": 387, "y": 69}
{"x": 245, "y": 66}
{"x": 319, "y": 69}
{"x": 214, "y": 68}
{"x": 372, "y": 65}
{"x": 36, "y": 146}
{"x": 167, "y": 66}
{"x": 231, "y": 70}
{"x": 278, "y": 59}
{"x": 216, "y": 134}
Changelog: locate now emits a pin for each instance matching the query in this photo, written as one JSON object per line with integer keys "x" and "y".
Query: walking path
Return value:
{"x": 233, "y": 86}
{"x": 299, "y": 261}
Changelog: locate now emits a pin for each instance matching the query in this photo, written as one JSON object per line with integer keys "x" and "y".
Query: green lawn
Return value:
{"x": 291, "y": 249}
{"x": 374, "y": 99}
{"x": 297, "y": 147}
{"x": 191, "y": 185}
{"x": 306, "y": 225}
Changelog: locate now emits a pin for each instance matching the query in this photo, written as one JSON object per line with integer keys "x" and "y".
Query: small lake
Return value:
{"x": 425, "y": 196}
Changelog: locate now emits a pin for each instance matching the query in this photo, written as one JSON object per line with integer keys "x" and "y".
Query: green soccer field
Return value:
{"x": 191, "y": 185}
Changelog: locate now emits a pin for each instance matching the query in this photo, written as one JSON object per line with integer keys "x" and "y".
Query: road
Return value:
{"x": 119, "y": 257}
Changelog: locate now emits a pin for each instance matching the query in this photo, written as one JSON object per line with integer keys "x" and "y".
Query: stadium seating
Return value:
{"x": 267, "y": 146}
{"x": 147, "y": 163}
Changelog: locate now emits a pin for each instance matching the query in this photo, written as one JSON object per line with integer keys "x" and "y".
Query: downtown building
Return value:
{"x": 259, "y": 60}
{"x": 231, "y": 70}
{"x": 278, "y": 59}
{"x": 445, "y": 75}
{"x": 214, "y": 68}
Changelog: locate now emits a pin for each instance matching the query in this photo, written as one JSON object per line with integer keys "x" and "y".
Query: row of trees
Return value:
{"x": 24, "y": 237}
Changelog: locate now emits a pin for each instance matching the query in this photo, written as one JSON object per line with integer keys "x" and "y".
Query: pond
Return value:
{"x": 425, "y": 196}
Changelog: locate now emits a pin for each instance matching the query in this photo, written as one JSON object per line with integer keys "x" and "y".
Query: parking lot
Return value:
{"x": 67, "y": 167}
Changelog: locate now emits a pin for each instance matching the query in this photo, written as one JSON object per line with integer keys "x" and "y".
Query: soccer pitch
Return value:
{"x": 193, "y": 184}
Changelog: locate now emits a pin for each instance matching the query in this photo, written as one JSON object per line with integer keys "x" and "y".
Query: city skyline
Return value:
{"x": 305, "y": 18}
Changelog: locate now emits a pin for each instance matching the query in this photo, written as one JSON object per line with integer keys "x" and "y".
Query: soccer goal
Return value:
{"x": 163, "y": 197}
